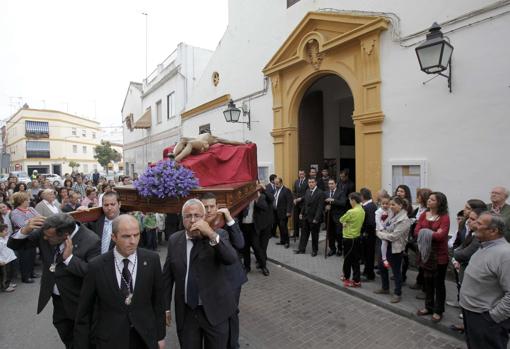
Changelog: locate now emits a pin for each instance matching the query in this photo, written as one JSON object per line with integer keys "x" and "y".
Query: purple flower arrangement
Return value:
{"x": 166, "y": 179}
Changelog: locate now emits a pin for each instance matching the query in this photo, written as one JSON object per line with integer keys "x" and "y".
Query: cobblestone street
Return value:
{"x": 284, "y": 310}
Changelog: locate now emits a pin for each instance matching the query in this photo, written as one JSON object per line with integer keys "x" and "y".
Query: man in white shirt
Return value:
{"x": 66, "y": 249}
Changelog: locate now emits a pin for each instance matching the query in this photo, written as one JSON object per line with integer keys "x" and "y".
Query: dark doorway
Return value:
{"x": 326, "y": 129}
{"x": 57, "y": 169}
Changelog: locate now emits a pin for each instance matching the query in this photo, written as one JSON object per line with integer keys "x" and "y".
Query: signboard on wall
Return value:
{"x": 412, "y": 173}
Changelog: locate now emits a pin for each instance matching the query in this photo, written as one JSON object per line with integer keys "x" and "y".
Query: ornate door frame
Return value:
{"x": 325, "y": 43}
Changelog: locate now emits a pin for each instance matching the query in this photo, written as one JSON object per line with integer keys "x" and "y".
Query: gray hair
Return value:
{"x": 497, "y": 222}
{"x": 61, "y": 222}
{"x": 193, "y": 202}
{"x": 116, "y": 222}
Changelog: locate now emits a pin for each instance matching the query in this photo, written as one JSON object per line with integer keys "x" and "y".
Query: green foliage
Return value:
{"x": 73, "y": 164}
{"x": 104, "y": 154}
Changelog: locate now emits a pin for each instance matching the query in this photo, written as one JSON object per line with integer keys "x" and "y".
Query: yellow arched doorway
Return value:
{"x": 323, "y": 44}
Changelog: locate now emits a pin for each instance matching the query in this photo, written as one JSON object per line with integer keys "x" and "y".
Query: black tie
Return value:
{"x": 192, "y": 291}
{"x": 125, "y": 284}
{"x": 58, "y": 255}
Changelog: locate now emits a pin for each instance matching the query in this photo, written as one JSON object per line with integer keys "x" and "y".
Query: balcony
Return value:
{"x": 37, "y": 129}
{"x": 38, "y": 149}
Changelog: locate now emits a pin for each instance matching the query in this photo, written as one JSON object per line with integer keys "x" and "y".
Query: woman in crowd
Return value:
{"x": 49, "y": 204}
{"x": 432, "y": 237}
{"x": 105, "y": 188}
{"x": 19, "y": 217}
{"x": 68, "y": 183}
{"x": 3, "y": 196}
{"x": 90, "y": 199}
{"x": 352, "y": 222}
{"x": 22, "y": 187}
{"x": 404, "y": 192}
{"x": 63, "y": 196}
{"x": 3, "y": 187}
{"x": 395, "y": 233}
{"x": 422, "y": 196}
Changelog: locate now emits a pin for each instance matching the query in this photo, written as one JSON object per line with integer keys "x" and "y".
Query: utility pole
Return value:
{"x": 146, "y": 39}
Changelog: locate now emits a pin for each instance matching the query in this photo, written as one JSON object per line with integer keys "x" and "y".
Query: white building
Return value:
{"x": 338, "y": 82}
{"x": 48, "y": 140}
{"x": 151, "y": 111}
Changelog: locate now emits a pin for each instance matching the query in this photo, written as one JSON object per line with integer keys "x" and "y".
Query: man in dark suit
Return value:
{"x": 283, "y": 203}
{"x": 311, "y": 216}
{"x": 344, "y": 183}
{"x": 121, "y": 303}
{"x": 73, "y": 204}
{"x": 103, "y": 225}
{"x": 236, "y": 276}
{"x": 271, "y": 189}
{"x": 336, "y": 206}
{"x": 313, "y": 174}
{"x": 299, "y": 189}
{"x": 66, "y": 248}
{"x": 262, "y": 221}
{"x": 368, "y": 237}
{"x": 195, "y": 264}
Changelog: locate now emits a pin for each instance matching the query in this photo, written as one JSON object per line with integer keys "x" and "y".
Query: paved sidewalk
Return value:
{"x": 327, "y": 271}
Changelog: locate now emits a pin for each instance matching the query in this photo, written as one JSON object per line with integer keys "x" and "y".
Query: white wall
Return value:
{"x": 463, "y": 136}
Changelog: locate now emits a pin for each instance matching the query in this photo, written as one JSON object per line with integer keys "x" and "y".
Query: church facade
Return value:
{"x": 337, "y": 84}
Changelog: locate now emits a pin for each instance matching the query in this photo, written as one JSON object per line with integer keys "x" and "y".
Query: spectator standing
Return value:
{"x": 79, "y": 186}
{"x": 49, "y": 204}
{"x": 498, "y": 205}
{"x": 7, "y": 259}
{"x": 150, "y": 225}
{"x": 352, "y": 222}
{"x": 73, "y": 203}
{"x": 298, "y": 190}
{"x": 336, "y": 206}
{"x": 311, "y": 216}
{"x": 395, "y": 233}
{"x": 90, "y": 200}
{"x": 368, "y": 239}
{"x": 283, "y": 205}
{"x": 484, "y": 295}
{"x": 19, "y": 217}
{"x": 432, "y": 234}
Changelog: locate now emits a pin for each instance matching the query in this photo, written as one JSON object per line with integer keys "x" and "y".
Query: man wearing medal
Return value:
{"x": 66, "y": 248}
{"x": 121, "y": 303}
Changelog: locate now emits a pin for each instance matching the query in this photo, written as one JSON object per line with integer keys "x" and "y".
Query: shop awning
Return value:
{"x": 37, "y": 127}
{"x": 145, "y": 121}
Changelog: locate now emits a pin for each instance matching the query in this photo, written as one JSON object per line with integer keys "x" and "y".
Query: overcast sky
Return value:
{"x": 79, "y": 56}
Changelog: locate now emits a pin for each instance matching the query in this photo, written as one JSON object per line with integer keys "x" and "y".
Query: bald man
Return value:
{"x": 498, "y": 205}
{"x": 123, "y": 294}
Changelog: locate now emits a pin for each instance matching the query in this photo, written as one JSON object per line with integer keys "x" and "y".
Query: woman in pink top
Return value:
{"x": 432, "y": 233}
{"x": 90, "y": 199}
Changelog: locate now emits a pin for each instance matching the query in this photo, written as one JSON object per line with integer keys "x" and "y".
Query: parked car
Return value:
{"x": 54, "y": 178}
{"x": 22, "y": 176}
{"x": 4, "y": 177}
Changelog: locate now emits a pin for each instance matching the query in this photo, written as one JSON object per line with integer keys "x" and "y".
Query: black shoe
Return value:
{"x": 257, "y": 265}
{"x": 366, "y": 278}
{"x": 339, "y": 253}
{"x": 35, "y": 276}
{"x": 280, "y": 243}
{"x": 314, "y": 253}
{"x": 287, "y": 245}
{"x": 299, "y": 251}
{"x": 28, "y": 281}
{"x": 247, "y": 269}
{"x": 331, "y": 253}
{"x": 265, "y": 271}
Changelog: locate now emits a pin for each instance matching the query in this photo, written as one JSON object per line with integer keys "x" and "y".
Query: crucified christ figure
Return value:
{"x": 198, "y": 145}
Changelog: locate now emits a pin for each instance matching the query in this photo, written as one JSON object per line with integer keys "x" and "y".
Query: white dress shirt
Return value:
{"x": 119, "y": 261}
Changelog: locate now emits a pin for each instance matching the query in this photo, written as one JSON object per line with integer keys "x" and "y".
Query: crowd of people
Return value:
{"x": 380, "y": 232}
{"x": 206, "y": 266}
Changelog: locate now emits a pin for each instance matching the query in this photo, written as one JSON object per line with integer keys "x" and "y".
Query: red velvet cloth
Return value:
{"x": 222, "y": 164}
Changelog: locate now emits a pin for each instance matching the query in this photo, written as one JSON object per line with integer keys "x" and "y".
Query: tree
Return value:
{"x": 104, "y": 154}
{"x": 73, "y": 164}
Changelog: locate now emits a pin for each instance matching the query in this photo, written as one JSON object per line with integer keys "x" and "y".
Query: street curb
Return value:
{"x": 439, "y": 327}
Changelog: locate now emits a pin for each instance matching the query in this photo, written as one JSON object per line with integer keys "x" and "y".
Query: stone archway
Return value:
{"x": 325, "y": 43}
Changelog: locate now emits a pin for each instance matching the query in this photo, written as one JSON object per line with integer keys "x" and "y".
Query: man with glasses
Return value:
{"x": 195, "y": 264}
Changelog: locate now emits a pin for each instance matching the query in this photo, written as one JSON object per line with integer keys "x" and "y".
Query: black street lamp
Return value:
{"x": 434, "y": 55}
{"x": 232, "y": 114}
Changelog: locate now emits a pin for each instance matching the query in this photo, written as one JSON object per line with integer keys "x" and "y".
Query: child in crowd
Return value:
{"x": 382, "y": 216}
{"x": 7, "y": 256}
{"x": 150, "y": 227}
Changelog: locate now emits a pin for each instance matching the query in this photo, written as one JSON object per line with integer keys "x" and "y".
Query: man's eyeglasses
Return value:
{"x": 190, "y": 216}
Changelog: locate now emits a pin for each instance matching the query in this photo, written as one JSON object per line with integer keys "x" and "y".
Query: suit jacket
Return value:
{"x": 270, "y": 189}
{"x": 285, "y": 202}
{"x": 102, "y": 301}
{"x": 346, "y": 187}
{"x": 299, "y": 190}
{"x": 208, "y": 265}
{"x": 369, "y": 222}
{"x": 68, "y": 278}
{"x": 69, "y": 208}
{"x": 43, "y": 209}
{"x": 263, "y": 212}
{"x": 236, "y": 275}
{"x": 338, "y": 205}
{"x": 313, "y": 205}
{"x": 97, "y": 227}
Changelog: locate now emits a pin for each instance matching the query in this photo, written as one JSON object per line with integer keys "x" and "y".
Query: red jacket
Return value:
{"x": 440, "y": 227}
